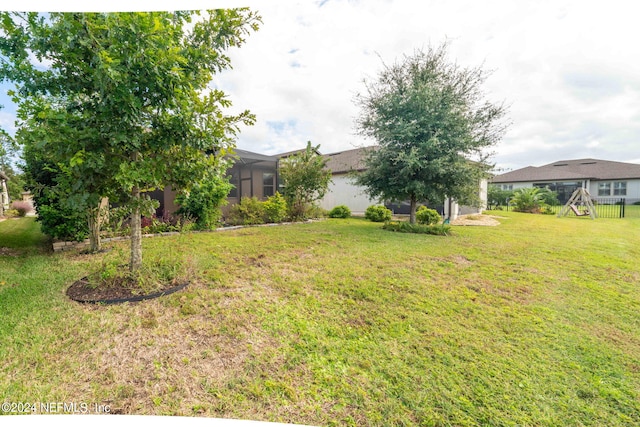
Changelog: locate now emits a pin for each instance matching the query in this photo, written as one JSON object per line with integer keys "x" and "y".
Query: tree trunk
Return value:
{"x": 136, "y": 233}
{"x": 412, "y": 212}
{"x": 95, "y": 222}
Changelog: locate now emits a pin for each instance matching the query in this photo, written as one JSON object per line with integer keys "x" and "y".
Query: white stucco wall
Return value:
{"x": 457, "y": 210}
{"x": 343, "y": 192}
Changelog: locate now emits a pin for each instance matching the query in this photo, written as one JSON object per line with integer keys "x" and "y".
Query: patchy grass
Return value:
{"x": 21, "y": 233}
{"x": 533, "y": 322}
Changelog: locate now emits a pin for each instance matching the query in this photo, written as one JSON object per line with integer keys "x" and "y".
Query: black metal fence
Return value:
{"x": 609, "y": 208}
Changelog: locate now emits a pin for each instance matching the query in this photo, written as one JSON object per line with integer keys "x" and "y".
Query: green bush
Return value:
{"x": 497, "y": 197}
{"x": 547, "y": 210}
{"x": 340, "y": 211}
{"x": 377, "y": 213}
{"x": 275, "y": 208}
{"x": 204, "y": 200}
{"x": 406, "y": 227}
{"x": 11, "y": 213}
{"x": 315, "y": 211}
{"x": 533, "y": 200}
{"x": 427, "y": 216}
{"x": 250, "y": 211}
{"x": 62, "y": 223}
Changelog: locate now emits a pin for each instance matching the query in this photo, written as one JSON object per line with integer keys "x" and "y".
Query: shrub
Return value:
{"x": 377, "y": 213}
{"x": 11, "y": 213}
{"x": 22, "y": 207}
{"x": 531, "y": 200}
{"x": 340, "y": 211}
{"x": 249, "y": 211}
{"x": 406, "y": 227}
{"x": 547, "y": 210}
{"x": 427, "y": 216}
{"x": 161, "y": 225}
{"x": 275, "y": 208}
{"x": 62, "y": 223}
{"x": 315, "y": 211}
{"x": 497, "y": 197}
{"x": 204, "y": 200}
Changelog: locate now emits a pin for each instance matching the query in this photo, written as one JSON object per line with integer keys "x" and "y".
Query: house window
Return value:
{"x": 506, "y": 187}
{"x": 620, "y": 188}
{"x": 233, "y": 180}
{"x": 604, "y": 189}
{"x": 267, "y": 184}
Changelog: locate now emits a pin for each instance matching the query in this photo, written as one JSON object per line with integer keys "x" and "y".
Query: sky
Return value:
{"x": 568, "y": 71}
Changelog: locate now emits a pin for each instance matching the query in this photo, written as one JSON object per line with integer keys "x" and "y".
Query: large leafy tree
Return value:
{"x": 429, "y": 119}
{"x": 122, "y": 99}
{"x": 305, "y": 178}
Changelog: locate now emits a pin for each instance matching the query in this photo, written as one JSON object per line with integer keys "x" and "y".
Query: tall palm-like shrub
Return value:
{"x": 530, "y": 200}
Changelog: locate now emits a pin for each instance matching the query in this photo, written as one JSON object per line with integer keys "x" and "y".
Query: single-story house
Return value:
{"x": 256, "y": 175}
{"x": 602, "y": 178}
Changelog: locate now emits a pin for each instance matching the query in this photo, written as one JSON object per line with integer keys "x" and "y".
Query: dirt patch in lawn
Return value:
{"x": 476, "y": 219}
{"x": 8, "y": 251}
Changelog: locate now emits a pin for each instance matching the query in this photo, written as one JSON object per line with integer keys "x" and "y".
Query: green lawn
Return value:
{"x": 533, "y": 322}
{"x": 21, "y": 233}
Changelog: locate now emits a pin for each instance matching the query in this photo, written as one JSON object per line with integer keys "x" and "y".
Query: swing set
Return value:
{"x": 580, "y": 204}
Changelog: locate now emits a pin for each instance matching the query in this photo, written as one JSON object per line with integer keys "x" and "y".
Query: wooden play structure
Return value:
{"x": 580, "y": 204}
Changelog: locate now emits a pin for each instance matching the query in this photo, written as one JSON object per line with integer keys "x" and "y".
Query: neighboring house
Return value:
{"x": 603, "y": 178}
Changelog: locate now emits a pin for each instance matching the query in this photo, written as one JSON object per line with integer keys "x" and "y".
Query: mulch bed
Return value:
{"x": 114, "y": 293}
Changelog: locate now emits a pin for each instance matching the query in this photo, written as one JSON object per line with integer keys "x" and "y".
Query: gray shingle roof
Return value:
{"x": 578, "y": 169}
{"x": 347, "y": 161}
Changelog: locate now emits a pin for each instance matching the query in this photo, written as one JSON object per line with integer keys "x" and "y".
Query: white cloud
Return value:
{"x": 7, "y": 122}
{"x": 568, "y": 69}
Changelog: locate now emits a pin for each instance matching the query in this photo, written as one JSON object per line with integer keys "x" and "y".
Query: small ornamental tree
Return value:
{"x": 429, "y": 119}
{"x": 124, "y": 104}
{"x": 306, "y": 180}
{"x": 204, "y": 200}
